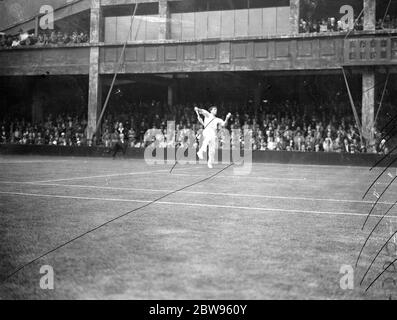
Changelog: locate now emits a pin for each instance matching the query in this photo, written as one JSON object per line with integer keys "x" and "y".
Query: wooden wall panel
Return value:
{"x": 305, "y": 48}
{"x": 151, "y": 53}
{"x": 209, "y": 51}
{"x": 176, "y": 26}
{"x": 123, "y": 27}
{"x": 269, "y": 20}
{"x": 261, "y": 50}
{"x": 69, "y": 60}
{"x": 227, "y": 24}
{"x": 201, "y": 25}
{"x": 188, "y": 26}
{"x": 255, "y": 22}
{"x": 190, "y": 52}
{"x": 214, "y": 24}
{"x": 110, "y": 29}
{"x": 171, "y": 53}
{"x": 283, "y": 14}
{"x": 152, "y": 27}
{"x": 239, "y": 50}
{"x": 241, "y": 23}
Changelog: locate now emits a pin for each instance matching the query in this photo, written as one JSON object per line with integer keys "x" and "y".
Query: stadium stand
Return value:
{"x": 274, "y": 129}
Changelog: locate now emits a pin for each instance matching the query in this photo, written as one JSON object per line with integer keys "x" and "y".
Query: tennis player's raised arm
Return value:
{"x": 199, "y": 119}
{"x": 205, "y": 113}
{"x": 224, "y": 123}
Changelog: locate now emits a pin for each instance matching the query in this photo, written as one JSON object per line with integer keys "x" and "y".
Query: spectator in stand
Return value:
{"x": 346, "y": 146}
{"x": 106, "y": 139}
{"x": 46, "y": 39}
{"x": 382, "y": 148}
{"x": 309, "y": 142}
{"x": 328, "y": 144}
{"x": 132, "y": 137}
{"x": 9, "y": 41}
{"x": 388, "y": 23}
{"x": 39, "y": 139}
{"x": 54, "y": 38}
{"x": 338, "y": 143}
{"x": 298, "y": 140}
{"x": 40, "y": 40}
{"x": 74, "y": 37}
{"x": 66, "y": 38}
{"x": 2, "y": 39}
{"x": 3, "y": 136}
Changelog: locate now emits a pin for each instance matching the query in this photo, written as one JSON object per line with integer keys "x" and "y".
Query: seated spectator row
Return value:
{"x": 388, "y": 23}
{"x": 327, "y": 25}
{"x": 62, "y": 130}
{"x": 44, "y": 38}
{"x": 271, "y": 130}
{"x": 333, "y": 25}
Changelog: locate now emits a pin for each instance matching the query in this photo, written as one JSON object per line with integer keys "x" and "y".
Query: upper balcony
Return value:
{"x": 207, "y": 39}
{"x": 198, "y": 26}
{"x": 299, "y": 52}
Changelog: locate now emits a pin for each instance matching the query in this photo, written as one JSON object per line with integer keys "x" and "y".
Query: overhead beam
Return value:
{"x": 124, "y": 2}
{"x": 157, "y": 80}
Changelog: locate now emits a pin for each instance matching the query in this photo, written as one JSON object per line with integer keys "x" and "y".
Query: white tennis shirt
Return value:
{"x": 211, "y": 125}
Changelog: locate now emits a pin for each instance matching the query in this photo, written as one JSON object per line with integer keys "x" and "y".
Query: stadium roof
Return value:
{"x": 18, "y": 14}
{"x": 21, "y": 14}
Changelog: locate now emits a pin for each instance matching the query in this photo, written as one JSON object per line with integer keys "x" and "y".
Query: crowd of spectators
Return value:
{"x": 281, "y": 131}
{"x": 50, "y": 38}
{"x": 334, "y": 25}
{"x": 388, "y": 23}
{"x": 63, "y": 130}
{"x": 278, "y": 131}
{"x": 327, "y": 25}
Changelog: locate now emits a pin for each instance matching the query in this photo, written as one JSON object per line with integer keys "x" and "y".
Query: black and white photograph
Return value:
{"x": 217, "y": 151}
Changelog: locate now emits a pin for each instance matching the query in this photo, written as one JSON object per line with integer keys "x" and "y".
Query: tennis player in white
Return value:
{"x": 209, "y": 133}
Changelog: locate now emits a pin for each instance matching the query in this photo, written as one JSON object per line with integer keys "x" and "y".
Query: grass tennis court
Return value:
{"x": 282, "y": 232}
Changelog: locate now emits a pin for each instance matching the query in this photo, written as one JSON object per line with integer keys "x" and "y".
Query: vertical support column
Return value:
{"x": 95, "y": 21}
{"x": 36, "y": 26}
{"x": 294, "y": 16}
{"x": 369, "y": 15}
{"x": 257, "y": 96}
{"x": 368, "y": 104}
{"x": 164, "y": 14}
{"x": 170, "y": 96}
{"x": 37, "y": 108}
{"x": 369, "y": 90}
{"x": 94, "y": 92}
{"x": 94, "y": 85}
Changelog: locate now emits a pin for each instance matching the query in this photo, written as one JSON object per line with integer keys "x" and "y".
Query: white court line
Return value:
{"x": 31, "y": 161}
{"x": 184, "y": 204}
{"x": 167, "y": 172}
{"x": 321, "y": 179}
{"x": 199, "y": 193}
{"x": 240, "y": 176}
{"x": 291, "y": 165}
{"x": 164, "y": 171}
{"x": 99, "y": 176}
